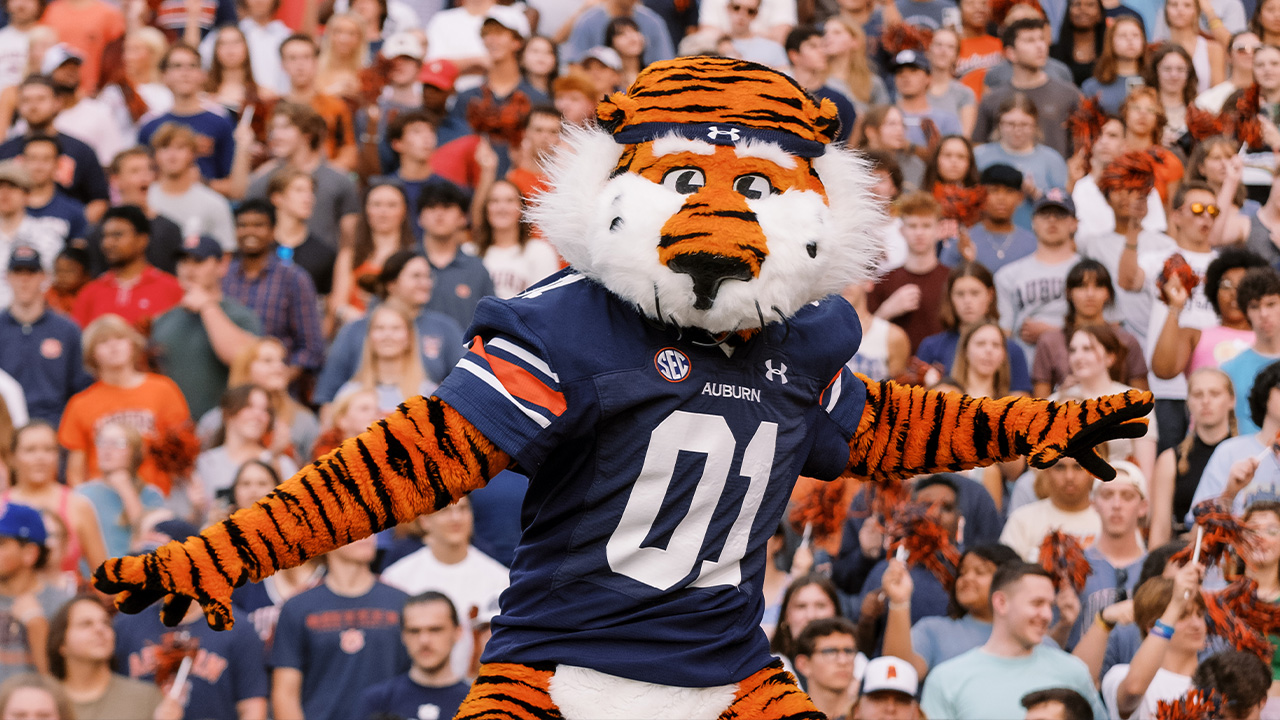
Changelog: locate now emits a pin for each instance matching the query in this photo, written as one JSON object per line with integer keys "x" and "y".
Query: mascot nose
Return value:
{"x": 708, "y": 271}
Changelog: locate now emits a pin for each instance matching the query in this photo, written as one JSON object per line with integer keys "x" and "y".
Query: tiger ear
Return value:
{"x": 827, "y": 121}
{"x": 613, "y": 111}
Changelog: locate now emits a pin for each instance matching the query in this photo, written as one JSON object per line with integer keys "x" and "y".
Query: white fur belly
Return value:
{"x": 584, "y": 694}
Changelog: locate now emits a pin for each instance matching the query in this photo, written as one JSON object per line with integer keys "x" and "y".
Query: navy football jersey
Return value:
{"x": 659, "y": 469}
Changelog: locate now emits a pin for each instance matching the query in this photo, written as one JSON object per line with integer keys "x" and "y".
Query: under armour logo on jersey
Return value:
{"x": 714, "y": 132}
{"x": 781, "y": 372}
{"x": 672, "y": 364}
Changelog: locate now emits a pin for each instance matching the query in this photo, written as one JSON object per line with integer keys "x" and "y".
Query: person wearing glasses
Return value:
{"x": 1239, "y": 72}
{"x": 750, "y": 45}
{"x": 1194, "y": 210}
{"x": 827, "y": 659}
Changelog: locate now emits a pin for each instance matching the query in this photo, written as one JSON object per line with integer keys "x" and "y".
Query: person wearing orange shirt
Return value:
{"x": 299, "y": 56}
{"x": 541, "y": 136}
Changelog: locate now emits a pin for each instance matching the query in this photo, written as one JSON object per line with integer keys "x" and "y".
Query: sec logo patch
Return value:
{"x": 672, "y": 364}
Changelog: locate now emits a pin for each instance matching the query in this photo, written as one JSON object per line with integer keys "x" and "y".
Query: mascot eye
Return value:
{"x": 685, "y": 181}
{"x": 753, "y": 187}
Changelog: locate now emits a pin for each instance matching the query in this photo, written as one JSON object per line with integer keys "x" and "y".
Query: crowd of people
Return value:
{"x": 235, "y": 233}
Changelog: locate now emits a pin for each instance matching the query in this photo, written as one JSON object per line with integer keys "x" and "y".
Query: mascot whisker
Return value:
{"x": 663, "y": 393}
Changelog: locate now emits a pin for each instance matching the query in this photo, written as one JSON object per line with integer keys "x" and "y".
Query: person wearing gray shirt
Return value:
{"x": 1031, "y": 292}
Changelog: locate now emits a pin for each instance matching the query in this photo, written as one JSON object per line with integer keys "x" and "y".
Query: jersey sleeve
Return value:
{"x": 842, "y": 403}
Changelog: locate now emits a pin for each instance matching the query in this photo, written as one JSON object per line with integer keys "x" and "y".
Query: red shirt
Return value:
{"x": 138, "y": 302}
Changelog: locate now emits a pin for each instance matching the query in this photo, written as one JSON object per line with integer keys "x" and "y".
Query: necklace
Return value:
{"x": 1003, "y": 245}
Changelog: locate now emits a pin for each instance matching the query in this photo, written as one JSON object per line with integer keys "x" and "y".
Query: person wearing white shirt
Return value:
{"x": 1068, "y": 508}
{"x": 773, "y": 18}
{"x": 1094, "y": 213}
{"x": 263, "y": 33}
{"x": 14, "y": 46}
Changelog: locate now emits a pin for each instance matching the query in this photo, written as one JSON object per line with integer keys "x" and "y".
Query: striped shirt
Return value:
{"x": 285, "y": 300}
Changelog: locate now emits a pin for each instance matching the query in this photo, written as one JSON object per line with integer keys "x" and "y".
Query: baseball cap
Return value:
{"x": 200, "y": 247}
{"x": 510, "y": 18}
{"x": 1001, "y": 174}
{"x": 1127, "y": 474}
{"x": 890, "y": 674}
{"x": 606, "y": 56}
{"x": 25, "y": 257}
{"x": 1056, "y": 198}
{"x": 12, "y": 172}
{"x": 58, "y": 55}
{"x": 404, "y": 44}
{"x": 23, "y": 523}
{"x": 439, "y": 74}
{"x": 910, "y": 58}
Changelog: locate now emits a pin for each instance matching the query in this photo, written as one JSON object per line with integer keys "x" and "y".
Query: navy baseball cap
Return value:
{"x": 910, "y": 59}
{"x": 1055, "y": 198}
{"x": 200, "y": 247}
{"x": 25, "y": 257}
{"x": 22, "y": 522}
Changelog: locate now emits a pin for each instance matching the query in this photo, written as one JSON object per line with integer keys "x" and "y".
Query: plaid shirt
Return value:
{"x": 284, "y": 298}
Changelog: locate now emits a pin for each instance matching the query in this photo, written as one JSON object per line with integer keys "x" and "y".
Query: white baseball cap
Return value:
{"x": 1126, "y": 474}
{"x": 510, "y": 18}
{"x": 404, "y": 44}
{"x": 890, "y": 674}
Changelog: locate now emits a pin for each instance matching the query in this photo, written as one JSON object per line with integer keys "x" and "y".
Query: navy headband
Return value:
{"x": 719, "y": 134}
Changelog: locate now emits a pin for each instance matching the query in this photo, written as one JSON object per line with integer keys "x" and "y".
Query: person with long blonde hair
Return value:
{"x": 343, "y": 54}
{"x": 390, "y": 362}
{"x": 849, "y": 70}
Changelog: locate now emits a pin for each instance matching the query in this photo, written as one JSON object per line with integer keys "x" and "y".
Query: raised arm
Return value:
{"x": 421, "y": 458}
{"x": 907, "y": 431}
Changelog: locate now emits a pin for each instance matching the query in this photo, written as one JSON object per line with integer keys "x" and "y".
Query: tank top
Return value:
{"x": 1184, "y": 484}
{"x": 71, "y": 558}
{"x": 1200, "y": 61}
{"x": 872, "y": 358}
{"x": 1217, "y": 345}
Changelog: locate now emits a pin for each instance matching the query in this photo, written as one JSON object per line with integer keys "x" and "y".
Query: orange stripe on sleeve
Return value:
{"x": 521, "y": 383}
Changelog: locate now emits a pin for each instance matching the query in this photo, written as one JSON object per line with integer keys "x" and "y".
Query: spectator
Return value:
{"x": 293, "y": 194}
{"x": 1214, "y": 161}
{"x": 56, "y": 213}
{"x": 924, "y": 120}
{"x": 540, "y": 63}
{"x": 337, "y": 639}
{"x": 825, "y": 657}
{"x": 1082, "y": 40}
{"x": 515, "y": 260}
{"x": 83, "y": 116}
{"x": 298, "y": 58}
{"x": 887, "y": 174}
{"x": 1031, "y": 291}
{"x": 148, "y": 402}
{"x": 231, "y": 82}
{"x": 908, "y": 295}
{"x": 574, "y": 95}
{"x": 888, "y": 691}
{"x": 390, "y": 362}
{"x": 132, "y": 288}
{"x": 969, "y": 298}
{"x": 297, "y": 134}
{"x": 381, "y": 231}
{"x": 937, "y": 638}
{"x": 281, "y": 294}
{"x": 846, "y": 46}
{"x": 979, "y": 50}
{"x": 87, "y": 26}
{"x": 1042, "y": 168}
{"x": 26, "y": 601}
{"x": 460, "y": 278}
{"x": 402, "y": 94}
{"x": 951, "y": 96}
{"x": 1238, "y": 471}
{"x": 39, "y": 348}
{"x": 196, "y": 342}
{"x": 1170, "y": 70}
{"x": 262, "y": 362}
{"x": 454, "y": 34}
{"x": 407, "y": 285}
{"x": 1262, "y": 564}
{"x": 263, "y": 34}
{"x": 1120, "y": 64}
{"x": 1258, "y": 295}
{"x": 1241, "y": 678}
{"x": 23, "y": 16}
{"x": 808, "y": 60}
{"x": 1056, "y": 704}
{"x": 1027, "y": 48}
{"x": 247, "y": 418}
{"x": 81, "y": 656}
{"x": 448, "y": 563}
{"x": 79, "y": 172}
{"x": 749, "y": 45}
{"x": 1170, "y": 614}
{"x": 1002, "y": 73}
{"x": 70, "y": 275}
{"x": 133, "y": 172}
{"x": 808, "y": 598}
{"x": 430, "y": 629}
{"x": 18, "y": 229}
{"x": 884, "y": 129}
{"x": 412, "y": 136}
{"x": 885, "y": 349}
{"x": 32, "y": 695}
{"x": 118, "y": 495}
{"x": 179, "y": 196}
{"x": 352, "y": 414}
{"x": 1116, "y": 556}
{"x": 1144, "y": 121}
{"x": 1067, "y": 508}
{"x": 541, "y": 138}
{"x": 1021, "y": 600}
{"x": 1265, "y": 26}
{"x": 1208, "y": 61}
{"x": 996, "y": 241}
{"x": 1093, "y": 208}
{"x": 1240, "y": 72}
{"x": 343, "y": 53}
{"x": 228, "y": 678}
{"x": 589, "y": 29}
{"x": 623, "y": 36}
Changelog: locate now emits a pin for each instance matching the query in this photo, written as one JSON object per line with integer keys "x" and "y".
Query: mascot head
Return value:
{"x": 710, "y": 196}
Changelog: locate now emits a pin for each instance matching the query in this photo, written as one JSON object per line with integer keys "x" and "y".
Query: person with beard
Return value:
{"x": 281, "y": 293}
{"x": 79, "y": 172}
{"x": 132, "y": 173}
{"x": 131, "y": 287}
{"x": 429, "y": 629}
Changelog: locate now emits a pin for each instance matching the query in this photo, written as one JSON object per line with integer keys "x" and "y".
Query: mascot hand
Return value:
{"x": 178, "y": 573}
{"x": 1076, "y": 428}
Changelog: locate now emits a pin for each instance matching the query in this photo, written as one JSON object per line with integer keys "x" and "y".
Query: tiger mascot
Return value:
{"x": 663, "y": 392}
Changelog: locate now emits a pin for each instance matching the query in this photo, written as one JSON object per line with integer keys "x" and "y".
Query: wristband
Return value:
{"x": 1215, "y": 23}
{"x": 1108, "y": 626}
{"x": 1162, "y": 629}
{"x": 904, "y": 605}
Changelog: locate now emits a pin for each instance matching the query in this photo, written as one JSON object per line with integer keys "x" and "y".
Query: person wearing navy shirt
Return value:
{"x": 461, "y": 279}
{"x": 38, "y": 347}
{"x": 48, "y": 205}
{"x": 337, "y": 639}
{"x": 808, "y": 59}
{"x": 215, "y": 144}
{"x": 78, "y": 172}
{"x": 429, "y": 628}
{"x": 656, "y": 579}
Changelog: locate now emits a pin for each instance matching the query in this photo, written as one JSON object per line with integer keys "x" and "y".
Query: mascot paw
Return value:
{"x": 1075, "y": 429}
{"x": 173, "y": 575}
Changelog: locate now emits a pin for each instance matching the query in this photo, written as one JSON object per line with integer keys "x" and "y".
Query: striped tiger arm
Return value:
{"x": 907, "y": 430}
{"x": 418, "y": 460}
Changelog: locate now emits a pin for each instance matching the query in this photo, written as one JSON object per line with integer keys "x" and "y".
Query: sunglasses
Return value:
{"x": 1201, "y": 208}
{"x": 744, "y": 9}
